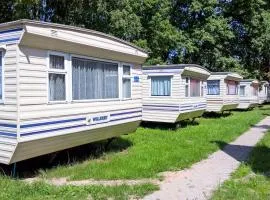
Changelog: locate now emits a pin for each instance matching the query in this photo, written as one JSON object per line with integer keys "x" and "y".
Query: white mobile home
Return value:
{"x": 248, "y": 91}
{"x": 172, "y": 93}
{"x": 63, "y": 86}
{"x": 263, "y": 92}
{"x": 222, "y": 91}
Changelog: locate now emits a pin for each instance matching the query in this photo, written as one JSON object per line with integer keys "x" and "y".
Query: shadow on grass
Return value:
{"x": 216, "y": 114}
{"x": 31, "y": 167}
{"x": 169, "y": 126}
{"x": 258, "y": 157}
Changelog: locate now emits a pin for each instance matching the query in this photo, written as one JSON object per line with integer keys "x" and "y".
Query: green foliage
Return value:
{"x": 218, "y": 34}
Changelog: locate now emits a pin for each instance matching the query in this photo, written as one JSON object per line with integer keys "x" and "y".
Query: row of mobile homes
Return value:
{"x": 172, "y": 93}
{"x": 222, "y": 91}
{"x": 248, "y": 91}
{"x": 63, "y": 86}
{"x": 263, "y": 92}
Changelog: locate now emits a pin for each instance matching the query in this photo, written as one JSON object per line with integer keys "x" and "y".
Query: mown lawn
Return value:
{"x": 152, "y": 151}
{"x": 252, "y": 180}
{"x": 18, "y": 190}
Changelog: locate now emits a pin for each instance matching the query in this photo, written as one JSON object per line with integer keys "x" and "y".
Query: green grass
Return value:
{"x": 252, "y": 180}
{"x": 18, "y": 190}
{"x": 157, "y": 150}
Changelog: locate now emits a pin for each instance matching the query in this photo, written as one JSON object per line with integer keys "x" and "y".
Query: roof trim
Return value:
{"x": 68, "y": 27}
{"x": 176, "y": 66}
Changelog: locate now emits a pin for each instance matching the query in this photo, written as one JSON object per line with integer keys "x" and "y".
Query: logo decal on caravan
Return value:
{"x": 97, "y": 119}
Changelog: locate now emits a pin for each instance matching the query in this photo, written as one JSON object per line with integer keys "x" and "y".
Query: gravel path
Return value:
{"x": 198, "y": 182}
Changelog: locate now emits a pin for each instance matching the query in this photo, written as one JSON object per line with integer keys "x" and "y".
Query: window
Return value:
{"x": 1, "y": 75}
{"x": 57, "y": 78}
{"x": 255, "y": 90}
{"x": 265, "y": 89}
{"x": 202, "y": 85}
{"x": 186, "y": 87}
{"x": 232, "y": 87}
{"x": 194, "y": 87}
{"x": 161, "y": 86}
{"x": 126, "y": 88}
{"x": 242, "y": 90}
{"x": 92, "y": 79}
{"x": 213, "y": 87}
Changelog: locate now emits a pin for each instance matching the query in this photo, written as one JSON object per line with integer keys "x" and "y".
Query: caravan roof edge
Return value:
{"x": 23, "y": 22}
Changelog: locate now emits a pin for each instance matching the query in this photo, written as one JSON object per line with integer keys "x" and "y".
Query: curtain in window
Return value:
{"x": 194, "y": 88}
{"x": 1, "y": 65}
{"x": 213, "y": 87}
{"x": 57, "y": 87}
{"x": 57, "y": 62}
{"x": 242, "y": 90}
{"x": 161, "y": 86}
{"x": 94, "y": 79}
{"x": 231, "y": 87}
{"x": 126, "y": 88}
{"x": 255, "y": 90}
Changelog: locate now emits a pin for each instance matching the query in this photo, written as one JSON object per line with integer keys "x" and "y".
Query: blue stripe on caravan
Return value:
{"x": 124, "y": 113}
{"x": 8, "y": 125}
{"x": 68, "y": 120}
{"x": 185, "y": 106}
{"x": 8, "y": 134}
{"x": 9, "y": 40}
{"x": 151, "y": 105}
{"x": 75, "y": 126}
{"x": 11, "y": 30}
{"x": 125, "y": 118}
{"x": 177, "y": 110}
{"x": 53, "y": 122}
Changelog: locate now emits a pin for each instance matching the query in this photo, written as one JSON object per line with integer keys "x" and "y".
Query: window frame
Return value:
{"x": 150, "y": 88}
{"x": 218, "y": 90}
{"x": 200, "y": 84}
{"x": 3, "y": 76}
{"x": 102, "y": 60}
{"x": 188, "y": 83}
{"x": 244, "y": 86}
{"x": 58, "y": 71}
{"x": 125, "y": 77}
{"x": 236, "y": 88}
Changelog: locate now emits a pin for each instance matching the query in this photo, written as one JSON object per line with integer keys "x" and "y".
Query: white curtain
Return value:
{"x": 242, "y": 90}
{"x": 126, "y": 88}
{"x": 194, "y": 88}
{"x": 57, "y": 87}
{"x": 161, "y": 86}
{"x": 213, "y": 87}
{"x": 94, "y": 79}
{"x": 232, "y": 87}
{"x": 57, "y": 62}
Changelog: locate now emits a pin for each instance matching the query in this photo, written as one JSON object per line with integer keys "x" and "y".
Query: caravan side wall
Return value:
{"x": 49, "y": 127}
{"x": 223, "y": 101}
{"x": 161, "y": 109}
{"x": 9, "y": 39}
{"x": 8, "y": 107}
{"x": 173, "y": 108}
{"x": 248, "y": 100}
